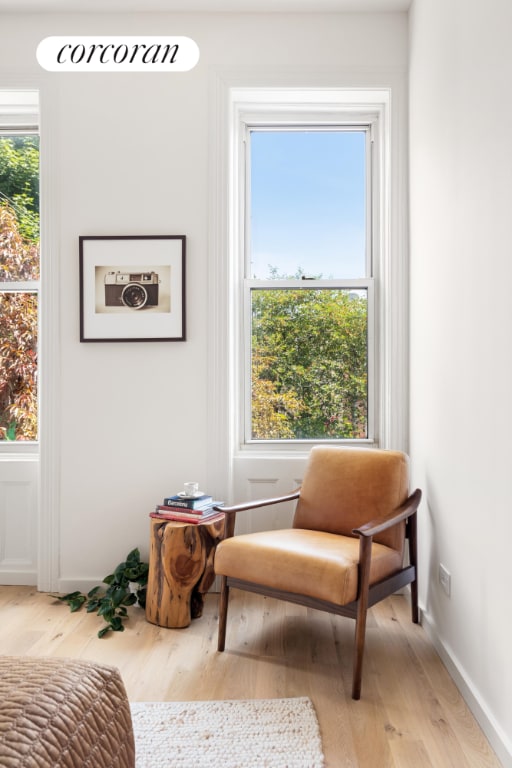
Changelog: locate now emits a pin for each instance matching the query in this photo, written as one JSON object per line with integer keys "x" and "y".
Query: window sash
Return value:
{"x": 367, "y": 284}
{"x": 368, "y": 127}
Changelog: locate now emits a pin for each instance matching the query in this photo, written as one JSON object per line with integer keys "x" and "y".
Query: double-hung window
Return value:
{"x": 308, "y": 276}
{"x": 309, "y": 238}
{"x": 19, "y": 266}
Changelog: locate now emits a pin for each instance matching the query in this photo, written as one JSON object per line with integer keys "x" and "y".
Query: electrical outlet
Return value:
{"x": 445, "y": 579}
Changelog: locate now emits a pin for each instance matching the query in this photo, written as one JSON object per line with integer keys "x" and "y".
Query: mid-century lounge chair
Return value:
{"x": 346, "y": 549}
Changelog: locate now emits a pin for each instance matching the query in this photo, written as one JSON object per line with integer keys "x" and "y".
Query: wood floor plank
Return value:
{"x": 410, "y": 714}
{"x": 449, "y": 711}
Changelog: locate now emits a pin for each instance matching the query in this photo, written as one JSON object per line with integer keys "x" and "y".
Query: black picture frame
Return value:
{"x": 132, "y": 288}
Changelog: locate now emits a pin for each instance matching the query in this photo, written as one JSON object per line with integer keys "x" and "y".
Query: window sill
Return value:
{"x": 294, "y": 448}
{"x": 19, "y": 451}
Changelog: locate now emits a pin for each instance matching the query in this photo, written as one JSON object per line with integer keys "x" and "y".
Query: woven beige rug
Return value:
{"x": 263, "y": 733}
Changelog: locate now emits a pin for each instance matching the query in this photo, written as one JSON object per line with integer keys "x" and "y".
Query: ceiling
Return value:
{"x": 207, "y": 6}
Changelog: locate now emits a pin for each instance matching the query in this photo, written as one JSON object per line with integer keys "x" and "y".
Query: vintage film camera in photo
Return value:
{"x": 134, "y": 290}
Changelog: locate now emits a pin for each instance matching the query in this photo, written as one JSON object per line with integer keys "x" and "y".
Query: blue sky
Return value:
{"x": 308, "y": 202}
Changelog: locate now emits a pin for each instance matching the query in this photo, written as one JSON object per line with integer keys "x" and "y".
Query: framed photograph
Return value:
{"x": 132, "y": 288}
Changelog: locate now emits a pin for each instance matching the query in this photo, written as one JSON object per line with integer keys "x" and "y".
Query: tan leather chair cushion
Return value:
{"x": 314, "y": 563}
{"x": 346, "y": 487}
{"x": 63, "y": 713}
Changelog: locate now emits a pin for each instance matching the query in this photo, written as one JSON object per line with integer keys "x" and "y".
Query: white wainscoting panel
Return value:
{"x": 265, "y": 478}
{"x": 18, "y": 520}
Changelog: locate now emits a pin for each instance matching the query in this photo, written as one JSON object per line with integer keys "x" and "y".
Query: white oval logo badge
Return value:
{"x": 117, "y": 54}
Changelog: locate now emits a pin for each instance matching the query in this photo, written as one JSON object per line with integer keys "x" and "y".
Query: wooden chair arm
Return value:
{"x": 232, "y": 511}
{"x": 404, "y": 511}
{"x": 258, "y": 503}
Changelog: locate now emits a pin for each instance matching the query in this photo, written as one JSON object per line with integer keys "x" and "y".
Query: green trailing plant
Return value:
{"x": 112, "y": 603}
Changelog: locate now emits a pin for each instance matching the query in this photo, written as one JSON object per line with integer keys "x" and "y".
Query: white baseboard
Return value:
{"x": 496, "y": 736}
{"x": 64, "y": 586}
{"x": 18, "y": 578}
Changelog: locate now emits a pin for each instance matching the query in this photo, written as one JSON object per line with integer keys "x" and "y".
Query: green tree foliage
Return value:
{"x": 19, "y": 181}
{"x": 19, "y": 261}
{"x": 309, "y": 364}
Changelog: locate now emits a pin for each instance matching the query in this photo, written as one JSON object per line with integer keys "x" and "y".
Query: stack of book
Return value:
{"x": 199, "y": 508}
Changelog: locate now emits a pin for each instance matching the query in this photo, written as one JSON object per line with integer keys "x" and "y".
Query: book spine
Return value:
{"x": 179, "y": 510}
{"x": 183, "y": 504}
{"x": 177, "y": 518}
{"x": 192, "y": 513}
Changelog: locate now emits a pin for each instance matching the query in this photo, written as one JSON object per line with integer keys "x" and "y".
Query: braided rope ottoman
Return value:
{"x": 62, "y": 713}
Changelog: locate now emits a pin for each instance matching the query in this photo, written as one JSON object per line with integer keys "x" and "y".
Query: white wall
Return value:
{"x": 461, "y": 355}
{"x": 132, "y": 156}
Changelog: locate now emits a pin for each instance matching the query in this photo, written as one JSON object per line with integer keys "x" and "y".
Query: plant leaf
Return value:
{"x": 119, "y": 595}
{"x": 106, "y": 611}
{"x": 76, "y": 603}
{"x": 130, "y": 599}
{"x": 133, "y": 556}
{"x": 117, "y": 624}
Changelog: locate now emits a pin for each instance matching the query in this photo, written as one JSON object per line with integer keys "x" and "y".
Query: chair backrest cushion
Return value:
{"x": 344, "y": 488}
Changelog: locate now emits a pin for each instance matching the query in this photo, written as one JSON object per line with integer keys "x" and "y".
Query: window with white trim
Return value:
{"x": 19, "y": 266}
{"x": 308, "y": 196}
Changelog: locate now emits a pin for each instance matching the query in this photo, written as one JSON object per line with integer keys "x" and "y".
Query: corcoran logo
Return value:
{"x": 117, "y": 54}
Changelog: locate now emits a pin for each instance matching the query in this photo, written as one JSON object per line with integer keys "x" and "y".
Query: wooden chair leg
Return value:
{"x": 223, "y": 612}
{"x": 413, "y": 559}
{"x": 365, "y": 544}
{"x": 360, "y": 635}
{"x": 415, "y": 615}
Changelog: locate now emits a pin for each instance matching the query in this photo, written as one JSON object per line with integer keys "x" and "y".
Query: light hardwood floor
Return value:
{"x": 410, "y": 714}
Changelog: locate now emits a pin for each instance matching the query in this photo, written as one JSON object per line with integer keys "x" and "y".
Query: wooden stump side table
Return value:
{"x": 180, "y": 569}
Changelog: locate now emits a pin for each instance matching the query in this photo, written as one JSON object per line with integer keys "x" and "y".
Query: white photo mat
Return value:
{"x": 132, "y": 288}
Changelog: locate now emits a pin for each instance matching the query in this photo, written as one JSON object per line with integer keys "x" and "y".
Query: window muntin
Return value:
{"x": 19, "y": 276}
{"x": 309, "y": 307}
